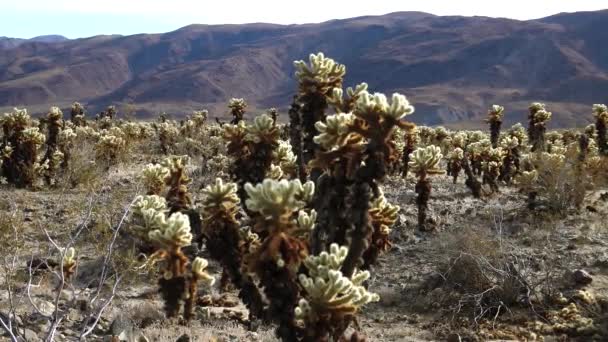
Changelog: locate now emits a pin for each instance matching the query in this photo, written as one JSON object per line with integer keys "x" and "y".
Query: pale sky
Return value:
{"x": 84, "y": 18}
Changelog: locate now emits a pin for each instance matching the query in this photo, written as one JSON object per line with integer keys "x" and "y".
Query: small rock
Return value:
{"x": 582, "y": 277}
{"x": 184, "y": 338}
{"x": 31, "y": 336}
{"x": 454, "y": 338}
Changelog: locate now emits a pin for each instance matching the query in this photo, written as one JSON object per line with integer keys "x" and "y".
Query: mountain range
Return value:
{"x": 451, "y": 68}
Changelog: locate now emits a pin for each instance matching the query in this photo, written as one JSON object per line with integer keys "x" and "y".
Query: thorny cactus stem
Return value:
{"x": 491, "y": 167}
{"x": 172, "y": 234}
{"x": 198, "y": 274}
{"x": 178, "y": 196}
{"x": 425, "y": 161}
{"x": 330, "y": 298}
{"x": 20, "y": 145}
{"x": 223, "y": 240}
{"x": 538, "y": 118}
{"x": 455, "y": 158}
{"x": 600, "y": 112}
{"x": 54, "y": 124}
{"x": 383, "y": 216}
{"x": 77, "y": 114}
{"x": 316, "y": 82}
{"x": 411, "y": 138}
{"x": 237, "y": 109}
{"x": 495, "y": 115}
{"x": 154, "y": 177}
{"x": 471, "y": 182}
{"x": 284, "y": 247}
{"x": 68, "y": 263}
{"x": 295, "y": 138}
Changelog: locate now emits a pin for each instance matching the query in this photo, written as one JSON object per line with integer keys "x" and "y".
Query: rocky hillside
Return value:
{"x": 451, "y": 68}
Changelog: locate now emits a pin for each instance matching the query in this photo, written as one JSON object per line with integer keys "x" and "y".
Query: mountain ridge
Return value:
{"x": 452, "y": 68}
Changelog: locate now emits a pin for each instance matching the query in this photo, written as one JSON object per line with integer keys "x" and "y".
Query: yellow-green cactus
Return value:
{"x": 342, "y": 105}
{"x": 322, "y": 75}
{"x": 276, "y": 198}
{"x": 220, "y": 197}
{"x": 396, "y": 110}
{"x": 334, "y": 132}
{"x": 328, "y": 292}
{"x": 263, "y": 129}
{"x": 153, "y": 177}
{"x": 173, "y": 233}
{"x": 199, "y": 266}
{"x": 151, "y": 211}
{"x": 33, "y": 136}
{"x": 425, "y": 160}
{"x": 68, "y": 262}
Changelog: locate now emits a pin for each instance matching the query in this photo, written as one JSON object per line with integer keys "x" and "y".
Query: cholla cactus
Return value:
{"x": 342, "y": 105}
{"x": 316, "y": 83}
{"x": 68, "y": 262}
{"x": 455, "y": 158}
{"x": 77, "y": 114}
{"x": 284, "y": 247}
{"x": 168, "y": 133}
{"x": 491, "y": 167}
{"x": 276, "y": 199}
{"x": 330, "y": 298}
{"x": 237, "y": 109}
{"x": 538, "y": 118}
{"x": 153, "y": 177}
{"x": 284, "y": 157}
{"x": 253, "y": 149}
{"x": 22, "y": 139}
{"x": 321, "y": 76}
{"x": 425, "y": 161}
{"x": 172, "y": 234}
{"x": 411, "y": 138}
{"x": 54, "y": 123}
{"x": 334, "y": 131}
{"x": 510, "y": 162}
{"x": 495, "y": 115}
{"x": 109, "y": 148}
{"x": 178, "y": 197}
{"x": 225, "y": 241}
{"x": 528, "y": 182}
{"x": 600, "y": 112}
{"x": 383, "y": 216}
{"x": 150, "y": 212}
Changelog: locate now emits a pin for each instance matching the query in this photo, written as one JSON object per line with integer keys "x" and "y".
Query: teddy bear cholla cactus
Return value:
{"x": 495, "y": 115}
{"x": 383, "y": 216}
{"x": 237, "y": 109}
{"x": 425, "y": 161}
{"x": 316, "y": 83}
{"x": 153, "y": 177}
{"x": 284, "y": 245}
{"x": 110, "y": 147}
{"x": 357, "y": 149}
{"x": 77, "y": 114}
{"x": 491, "y": 167}
{"x": 20, "y": 146}
{"x": 253, "y": 149}
{"x": 330, "y": 299}
{"x": 170, "y": 235}
{"x": 600, "y": 112}
{"x": 538, "y": 118}
{"x": 455, "y": 158}
{"x": 53, "y": 155}
{"x": 67, "y": 262}
{"x": 227, "y": 243}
